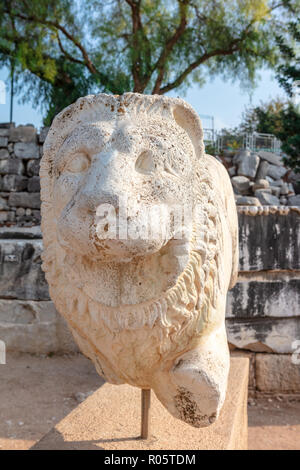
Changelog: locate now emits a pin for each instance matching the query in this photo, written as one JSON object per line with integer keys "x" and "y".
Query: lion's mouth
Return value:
{"x": 119, "y": 281}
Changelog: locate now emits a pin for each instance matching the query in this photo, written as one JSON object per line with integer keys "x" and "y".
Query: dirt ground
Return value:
{"x": 37, "y": 392}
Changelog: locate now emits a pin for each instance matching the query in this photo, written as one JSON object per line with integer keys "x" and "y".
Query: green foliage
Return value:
{"x": 290, "y": 136}
{"x": 63, "y": 49}
{"x": 288, "y": 72}
{"x": 265, "y": 118}
{"x": 210, "y": 148}
{"x": 231, "y": 139}
{"x": 281, "y": 119}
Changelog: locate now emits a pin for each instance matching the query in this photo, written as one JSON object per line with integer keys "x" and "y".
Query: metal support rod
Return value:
{"x": 146, "y": 399}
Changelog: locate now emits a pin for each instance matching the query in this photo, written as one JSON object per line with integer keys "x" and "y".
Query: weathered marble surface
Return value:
{"x": 34, "y": 327}
{"x": 21, "y": 276}
{"x": 149, "y": 311}
{"x": 270, "y": 241}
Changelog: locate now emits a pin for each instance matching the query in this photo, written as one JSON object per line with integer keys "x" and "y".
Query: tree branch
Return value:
{"x": 179, "y": 80}
{"x": 137, "y": 27}
{"x": 161, "y": 62}
{"x": 233, "y": 47}
{"x": 56, "y": 25}
{"x": 61, "y": 77}
{"x": 66, "y": 54}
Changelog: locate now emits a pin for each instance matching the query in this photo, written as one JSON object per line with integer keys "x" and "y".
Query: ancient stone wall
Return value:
{"x": 20, "y": 153}
{"x": 263, "y": 309}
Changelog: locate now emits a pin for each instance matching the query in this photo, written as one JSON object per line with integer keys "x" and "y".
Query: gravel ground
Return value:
{"x": 37, "y": 392}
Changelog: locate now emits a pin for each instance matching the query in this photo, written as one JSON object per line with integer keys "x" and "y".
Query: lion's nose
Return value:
{"x": 102, "y": 186}
{"x": 92, "y": 201}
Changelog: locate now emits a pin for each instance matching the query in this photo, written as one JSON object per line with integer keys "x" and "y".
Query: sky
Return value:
{"x": 224, "y": 101}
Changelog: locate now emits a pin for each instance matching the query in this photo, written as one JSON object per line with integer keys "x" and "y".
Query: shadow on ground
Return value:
{"x": 38, "y": 392}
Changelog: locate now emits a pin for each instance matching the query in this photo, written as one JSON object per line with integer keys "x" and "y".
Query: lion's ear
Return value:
{"x": 187, "y": 118}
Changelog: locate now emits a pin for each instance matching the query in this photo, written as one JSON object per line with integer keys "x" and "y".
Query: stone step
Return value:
{"x": 110, "y": 420}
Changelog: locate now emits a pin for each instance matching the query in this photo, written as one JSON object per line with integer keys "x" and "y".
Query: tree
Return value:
{"x": 290, "y": 136}
{"x": 265, "y": 118}
{"x": 288, "y": 72}
{"x": 63, "y": 49}
{"x": 281, "y": 119}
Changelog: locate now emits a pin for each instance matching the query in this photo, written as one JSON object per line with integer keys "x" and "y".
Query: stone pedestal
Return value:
{"x": 110, "y": 420}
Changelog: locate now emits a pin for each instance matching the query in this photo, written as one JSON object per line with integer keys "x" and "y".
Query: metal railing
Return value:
{"x": 255, "y": 142}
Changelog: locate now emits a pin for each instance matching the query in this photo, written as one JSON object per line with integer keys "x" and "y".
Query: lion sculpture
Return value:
{"x": 148, "y": 311}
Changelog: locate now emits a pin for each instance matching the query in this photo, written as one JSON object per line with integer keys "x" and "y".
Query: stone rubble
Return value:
{"x": 261, "y": 179}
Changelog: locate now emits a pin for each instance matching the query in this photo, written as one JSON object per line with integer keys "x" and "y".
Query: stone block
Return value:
{"x": 284, "y": 190}
{"x": 17, "y": 233}
{"x": 279, "y": 182}
{"x": 264, "y": 298}
{"x": 270, "y": 157}
{"x": 240, "y": 155}
{"x": 262, "y": 170}
{"x": 294, "y": 200}
{"x": 247, "y": 201}
{"x": 34, "y": 184}
{"x": 3, "y": 141}
{"x": 3, "y": 204}
{"x": 31, "y": 200}
{"x": 28, "y": 220}
{"x": 33, "y": 167}
{"x": 40, "y": 336}
{"x": 35, "y": 338}
{"x": 26, "y": 312}
{"x": 26, "y": 150}
{"x": 275, "y": 190}
{"x": 248, "y": 165}
{"x": 37, "y": 215}
{"x": 4, "y": 154}
{"x": 232, "y": 171}
{"x": 21, "y": 274}
{"x": 7, "y": 216}
{"x": 252, "y": 362}
{"x": 276, "y": 172}
{"x": 265, "y": 198}
{"x": 272, "y": 335}
{"x": 95, "y": 423}
{"x": 283, "y": 200}
{"x": 43, "y": 134}
{"x": 23, "y": 134}
{"x": 260, "y": 184}
{"x": 291, "y": 191}
{"x": 12, "y": 166}
{"x": 257, "y": 253}
{"x": 277, "y": 373}
{"x": 241, "y": 184}
{"x": 14, "y": 183}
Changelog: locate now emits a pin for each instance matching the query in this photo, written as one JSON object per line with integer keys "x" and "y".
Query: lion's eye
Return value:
{"x": 78, "y": 164}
